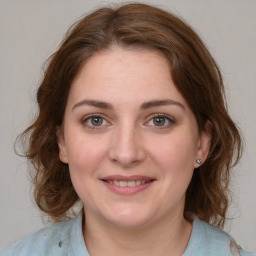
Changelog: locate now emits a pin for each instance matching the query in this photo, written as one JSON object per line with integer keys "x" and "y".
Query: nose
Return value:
{"x": 127, "y": 147}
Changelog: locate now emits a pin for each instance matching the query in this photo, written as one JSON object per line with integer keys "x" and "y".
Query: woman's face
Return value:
{"x": 130, "y": 139}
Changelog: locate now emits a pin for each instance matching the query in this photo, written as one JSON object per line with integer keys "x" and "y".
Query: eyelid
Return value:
{"x": 170, "y": 119}
{"x": 93, "y": 115}
{"x": 87, "y": 117}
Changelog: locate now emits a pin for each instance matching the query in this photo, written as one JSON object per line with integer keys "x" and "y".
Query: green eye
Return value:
{"x": 96, "y": 120}
{"x": 159, "y": 121}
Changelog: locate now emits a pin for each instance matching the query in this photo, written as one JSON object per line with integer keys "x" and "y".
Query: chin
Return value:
{"x": 129, "y": 218}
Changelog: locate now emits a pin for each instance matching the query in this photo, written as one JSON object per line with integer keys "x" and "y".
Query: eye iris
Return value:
{"x": 97, "y": 121}
{"x": 159, "y": 121}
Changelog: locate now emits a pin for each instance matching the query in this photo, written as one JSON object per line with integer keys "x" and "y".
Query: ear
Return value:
{"x": 204, "y": 143}
{"x": 62, "y": 145}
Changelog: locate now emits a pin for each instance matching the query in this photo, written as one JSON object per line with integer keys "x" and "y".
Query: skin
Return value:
{"x": 128, "y": 140}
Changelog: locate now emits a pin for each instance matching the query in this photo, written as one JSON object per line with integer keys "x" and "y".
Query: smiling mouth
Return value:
{"x": 127, "y": 185}
{"x": 130, "y": 183}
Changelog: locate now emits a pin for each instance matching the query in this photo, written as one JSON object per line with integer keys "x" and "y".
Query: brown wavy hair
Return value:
{"x": 195, "y": 74}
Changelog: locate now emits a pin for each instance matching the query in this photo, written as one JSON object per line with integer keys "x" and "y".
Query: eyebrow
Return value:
{"x": 94, "y": 103}
{"x": 158, "y": 103}
{"x": 144, "y": 106}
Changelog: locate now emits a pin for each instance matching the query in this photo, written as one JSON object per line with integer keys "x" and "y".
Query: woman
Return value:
{"x": 132, "y": 124}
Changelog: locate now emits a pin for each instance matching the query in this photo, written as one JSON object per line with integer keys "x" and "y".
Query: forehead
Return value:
{"x": 127, "y": 75}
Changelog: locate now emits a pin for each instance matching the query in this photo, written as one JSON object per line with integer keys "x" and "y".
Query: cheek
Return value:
{"x": 85, "y": 157}
{"x": 84, "y": 154}
{"x": 175, "y": 152}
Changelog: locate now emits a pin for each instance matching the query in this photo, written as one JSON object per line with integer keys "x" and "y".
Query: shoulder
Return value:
{"x": 215, "y": 241}
{"x": 52, "y": 240}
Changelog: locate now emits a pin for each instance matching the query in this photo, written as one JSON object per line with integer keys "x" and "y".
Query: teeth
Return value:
{"x": 138, "y": 182}
{"x": 123, "y": 183}
{"x": 131, "y": 183}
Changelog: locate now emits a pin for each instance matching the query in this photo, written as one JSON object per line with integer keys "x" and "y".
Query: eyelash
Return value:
{"x": 166, "y": 118}
{"x": 88, "y": 118}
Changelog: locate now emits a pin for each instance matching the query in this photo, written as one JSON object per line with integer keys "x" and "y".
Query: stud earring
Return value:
{"x": 199, "y": 161}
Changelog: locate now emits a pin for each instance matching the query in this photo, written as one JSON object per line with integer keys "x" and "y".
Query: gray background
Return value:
{"x": 31, "y": 30}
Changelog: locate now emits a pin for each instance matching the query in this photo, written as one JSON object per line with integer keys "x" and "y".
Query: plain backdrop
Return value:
{"x": 30, "y": 31}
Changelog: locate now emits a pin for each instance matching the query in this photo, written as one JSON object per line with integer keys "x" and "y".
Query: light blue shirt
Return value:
{"x": 66, "y": 239}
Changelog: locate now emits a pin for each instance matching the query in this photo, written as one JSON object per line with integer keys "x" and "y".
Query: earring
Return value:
{"x": 199, "y": 161}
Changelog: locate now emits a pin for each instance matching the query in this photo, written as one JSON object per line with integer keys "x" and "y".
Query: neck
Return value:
{"x": 165, "y": 237}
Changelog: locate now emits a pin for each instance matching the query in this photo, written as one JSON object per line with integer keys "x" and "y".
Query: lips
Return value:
{"x": 131, "y": 183}
{"x": 127, "y": 184}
